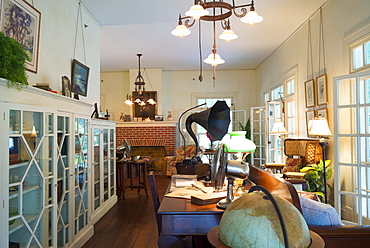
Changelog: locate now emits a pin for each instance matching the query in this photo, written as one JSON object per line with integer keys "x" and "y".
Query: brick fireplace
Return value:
{"x": 155, "y": 139}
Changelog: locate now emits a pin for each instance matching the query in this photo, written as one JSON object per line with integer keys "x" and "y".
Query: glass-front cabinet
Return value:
{"x": 103, "y": 164}
{"x": 81, "y": 174}
{"x": 31, "y": 179}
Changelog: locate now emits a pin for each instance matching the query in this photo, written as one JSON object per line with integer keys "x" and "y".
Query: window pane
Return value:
{"x": 347, "y": 150}
{"x": 364, "y": 84}
{"x": 367, "y": 52}
{"x": 347, "y": 92}
{"x": 290, "y": 87}
{"x": 347, "y": 125}
{"x": 357, "y": 57}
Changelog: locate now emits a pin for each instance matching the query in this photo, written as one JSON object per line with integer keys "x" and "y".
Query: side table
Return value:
{"x": 126, "y": 169}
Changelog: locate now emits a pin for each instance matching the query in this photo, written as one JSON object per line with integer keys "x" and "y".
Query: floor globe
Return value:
{"x": 252, "y": 221}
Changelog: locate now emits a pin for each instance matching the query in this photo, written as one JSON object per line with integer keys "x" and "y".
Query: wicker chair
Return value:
{"x": 181, "y": 153}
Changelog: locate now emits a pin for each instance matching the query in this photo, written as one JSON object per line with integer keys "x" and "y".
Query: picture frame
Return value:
{"x": 80, "y": 78}
{"x": 25, "y": 28}
{"x": 322, "y": 112}
{"x": 310, "y": 93}
{"x": 66, "y": 86}
{"x": 310, "y": 116}
{"x": 322, "y": 94}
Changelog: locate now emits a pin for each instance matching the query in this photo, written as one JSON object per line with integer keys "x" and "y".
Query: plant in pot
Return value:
{"x": 315, "y": 177}
{"x": 12, "y": 62}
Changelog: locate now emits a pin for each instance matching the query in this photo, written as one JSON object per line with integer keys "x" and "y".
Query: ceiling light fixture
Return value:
{"x": 139, "y": 90}
{"x": 218, "y": 11}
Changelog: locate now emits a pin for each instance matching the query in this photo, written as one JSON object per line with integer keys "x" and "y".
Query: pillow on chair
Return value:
{"x": 293, "y": 165}
{"x": 318, "y": 213}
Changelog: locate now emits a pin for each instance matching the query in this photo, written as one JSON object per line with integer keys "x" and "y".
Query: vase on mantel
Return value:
{"x": 169, "y": 116}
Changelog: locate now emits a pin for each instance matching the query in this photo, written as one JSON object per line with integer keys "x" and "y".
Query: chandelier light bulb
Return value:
{"x": 196, "y": 11}
{"x": 251, "y": 18}
{"x": 214, "y": 59}
{"x": 181, "y": 31}
{"x": 228, "y": 35}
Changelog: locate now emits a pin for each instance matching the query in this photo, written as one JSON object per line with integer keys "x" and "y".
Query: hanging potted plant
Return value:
{"x": 12, "y": 62}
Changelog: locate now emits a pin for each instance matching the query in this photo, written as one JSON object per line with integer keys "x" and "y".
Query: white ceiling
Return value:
{"x": 144, "y": 26}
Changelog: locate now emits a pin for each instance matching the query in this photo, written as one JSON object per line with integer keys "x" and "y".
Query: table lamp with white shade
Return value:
{"x": 320, "y": 128}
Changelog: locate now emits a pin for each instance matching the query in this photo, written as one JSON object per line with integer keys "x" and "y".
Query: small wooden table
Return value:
{"x": 125, "y": 169}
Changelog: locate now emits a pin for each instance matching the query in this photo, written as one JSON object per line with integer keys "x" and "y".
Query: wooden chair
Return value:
{"x": 169, "y": 241}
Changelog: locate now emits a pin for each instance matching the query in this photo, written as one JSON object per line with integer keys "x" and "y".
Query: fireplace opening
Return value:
{"x": 158, "y": 167}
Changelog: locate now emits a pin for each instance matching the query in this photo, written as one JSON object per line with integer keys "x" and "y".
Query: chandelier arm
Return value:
{"x": 187, "y": 22}
{"x": 224, "y": 25}
{"x": 242, "y": 14}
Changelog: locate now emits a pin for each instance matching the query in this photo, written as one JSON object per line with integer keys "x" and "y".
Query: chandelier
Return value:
{"x": 215, "y": 11}
{"x": 139, "y": 90}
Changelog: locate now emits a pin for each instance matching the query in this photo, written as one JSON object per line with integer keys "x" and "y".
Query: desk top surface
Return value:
{"x": 171, "y": 205}
{"x": 140, "y": 161}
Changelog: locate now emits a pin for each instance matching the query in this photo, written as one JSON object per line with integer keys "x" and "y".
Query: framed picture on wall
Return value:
{"x": 322, "y": 94}
{"x": 310, "y": 93}
{"x": 310, "y": 116}
{"x": 322, "y": 112}
{"x": 21, "y": 21}
{"x": 80, "y": 78}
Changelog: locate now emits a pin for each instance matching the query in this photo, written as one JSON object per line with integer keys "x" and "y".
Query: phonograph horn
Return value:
{"x": 215, "y": 120}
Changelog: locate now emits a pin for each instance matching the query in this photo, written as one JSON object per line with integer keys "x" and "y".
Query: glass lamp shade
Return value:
{"x": 237, "y": 142}
{"x": 251, "y": 18}
{"x": 228, "y": 35}
{"x": 196, "y": 11}
{"x": 128, "y": 102}
{"x": 320, "y": 128}
{"x": 214, "y": 59}
{"x": 142, "y": 103}
{"x": 278, "y": 128}
{"x": 181, "y": 31}
{"x": 151, "y": 101}
{"x": 137, "y": 100}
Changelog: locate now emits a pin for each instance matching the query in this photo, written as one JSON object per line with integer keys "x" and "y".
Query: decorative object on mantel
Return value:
{"x": 169, "y": 116}
{"x": 220, "y": 11}
{"x": 13, "y": 58}
{"x": 25, "y": 28}
{"x": 66, "y": 86}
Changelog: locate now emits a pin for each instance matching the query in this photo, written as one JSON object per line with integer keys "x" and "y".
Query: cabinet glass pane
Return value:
{"x": 96, "y": 165}
{"x": 31, "y": 170}
{"x": 63, "y": 179}
{"x": 81, "y": 173}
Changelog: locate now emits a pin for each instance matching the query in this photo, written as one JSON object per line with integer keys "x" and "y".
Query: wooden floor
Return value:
{"x": 130, "y": 222}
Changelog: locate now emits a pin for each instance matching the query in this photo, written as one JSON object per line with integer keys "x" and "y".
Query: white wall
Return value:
{"x": 339, "y": 19}
{"x": 177, "y": 90}
{"x": 57, "y": 45}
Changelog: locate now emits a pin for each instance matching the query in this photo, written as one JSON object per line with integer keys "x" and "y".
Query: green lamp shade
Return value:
{"x": 237, "y": 142}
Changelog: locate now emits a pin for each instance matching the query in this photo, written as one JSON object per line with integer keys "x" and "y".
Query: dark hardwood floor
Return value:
{"x": 130, "y": 222}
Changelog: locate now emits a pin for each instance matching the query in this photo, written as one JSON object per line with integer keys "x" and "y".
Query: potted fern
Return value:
{"x": 12, "y": 62}
{"x": 315, "y": 177}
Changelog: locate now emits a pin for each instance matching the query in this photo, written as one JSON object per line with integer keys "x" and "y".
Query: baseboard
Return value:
{"x": 83, "y": 237}
{"x": 100, "y": 212}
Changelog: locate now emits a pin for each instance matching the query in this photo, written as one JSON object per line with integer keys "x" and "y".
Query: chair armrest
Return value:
{"x": 170, "y": 158}
{"x": 344, "y": 236}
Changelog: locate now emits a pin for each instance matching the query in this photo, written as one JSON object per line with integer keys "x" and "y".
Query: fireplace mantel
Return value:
{"x": 147, "y": 124}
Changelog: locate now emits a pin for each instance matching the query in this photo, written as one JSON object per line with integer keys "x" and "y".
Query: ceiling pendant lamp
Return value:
{"x": 252, "y": 17}
{"x": 139, "y": 80}
{"x": 181, "y": 31}
{"x": 196, "y": 11}
{"x": 214, "y": 59}
{"x": 228, "y": 35}
{"x": 128, "y": 101}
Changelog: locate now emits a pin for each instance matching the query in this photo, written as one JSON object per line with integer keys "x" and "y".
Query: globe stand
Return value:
{"x": 224, "y": 203}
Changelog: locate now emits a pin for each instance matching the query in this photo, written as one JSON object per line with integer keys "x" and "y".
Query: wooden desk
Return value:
{"x": 125, "y": 169}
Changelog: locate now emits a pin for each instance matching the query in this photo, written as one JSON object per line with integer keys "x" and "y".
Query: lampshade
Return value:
{"x": 151, "y": 101}
{"x": 214, "y": 59}
{"x": 228, "y": 35}
{"x": 181, "y": 31}
{"x": 128, "y": 102}
{"x": 320, "y": 127}
{"x": 251, "y": 18}
{"x": 237, "y": 142}
{"x": 278, "y": 128}
{"x": 196, "y": 11}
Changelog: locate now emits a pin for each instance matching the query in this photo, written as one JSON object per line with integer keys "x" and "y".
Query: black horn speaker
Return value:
{"x": 215, "y": 120}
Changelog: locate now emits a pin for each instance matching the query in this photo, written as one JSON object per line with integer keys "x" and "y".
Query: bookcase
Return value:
{"x": 46, "y": 182}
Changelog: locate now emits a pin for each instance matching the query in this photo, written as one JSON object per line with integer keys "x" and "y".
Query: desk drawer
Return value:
{"x": 189, "y": 224}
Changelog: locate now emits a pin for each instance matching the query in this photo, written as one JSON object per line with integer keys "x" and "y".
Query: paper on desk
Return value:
{"x": 183, "y": 183}
{"x": 188, "y": 192}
